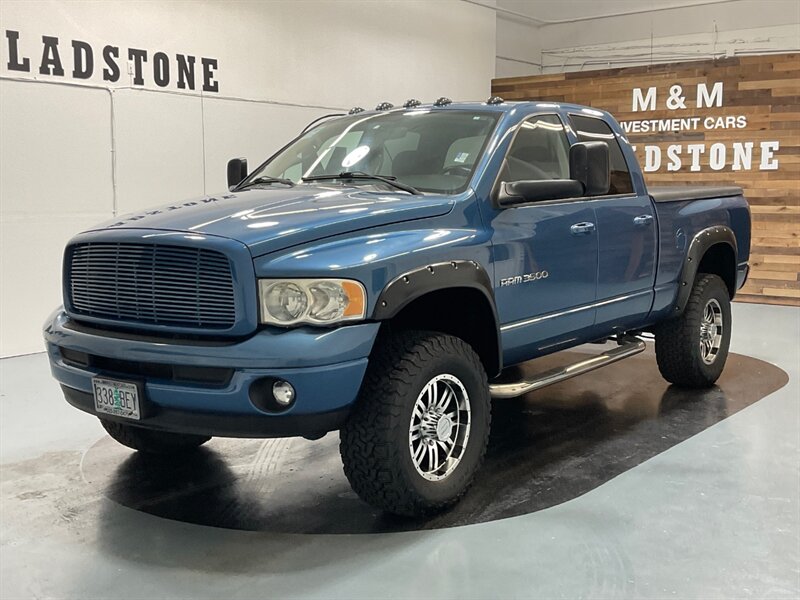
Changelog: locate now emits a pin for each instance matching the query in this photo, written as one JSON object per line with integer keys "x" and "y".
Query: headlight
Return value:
{"x": 314, "y": 301}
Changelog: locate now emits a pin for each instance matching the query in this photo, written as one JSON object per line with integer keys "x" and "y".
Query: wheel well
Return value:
{"x": 463, "y": 312}
{"x": 720, "y": 259}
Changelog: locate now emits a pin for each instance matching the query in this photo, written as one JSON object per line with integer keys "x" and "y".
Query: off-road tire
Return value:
{"x": 374, "y": 441}
{"x": 678, "y": 351}
{"x": 150, "y": 441}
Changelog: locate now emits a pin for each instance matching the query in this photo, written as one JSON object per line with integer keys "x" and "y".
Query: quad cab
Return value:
{"x": 378, "y": 274}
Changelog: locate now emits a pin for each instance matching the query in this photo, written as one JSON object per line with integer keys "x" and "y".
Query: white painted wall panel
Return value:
{"x": 50, "y": 187}
{"x": 55, "y": 149}
{"x": 683, "y": 32}
{"x": 30, "y": 272}
{"x": 159, "y": 148}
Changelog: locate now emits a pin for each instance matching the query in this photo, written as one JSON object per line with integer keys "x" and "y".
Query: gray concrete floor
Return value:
{"x": 716, "y": 516}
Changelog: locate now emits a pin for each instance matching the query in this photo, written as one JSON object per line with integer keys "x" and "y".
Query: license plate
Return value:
{"x": 118, "y": 398}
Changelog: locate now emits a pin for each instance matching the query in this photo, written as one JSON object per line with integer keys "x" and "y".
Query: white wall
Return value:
{"x": 519, "y": 47}
{"x": 573, "y": 35}
{"x": 75, "y": 152}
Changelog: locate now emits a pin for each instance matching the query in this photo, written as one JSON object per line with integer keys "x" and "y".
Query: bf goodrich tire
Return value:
{"x": 150, "y": 441}
{"x": 419, "y": 429}
{"x": 691, "y": 350}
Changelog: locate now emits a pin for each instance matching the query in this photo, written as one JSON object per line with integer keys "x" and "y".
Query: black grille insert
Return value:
{"x": 152, "y": 283}
{"x": 127, "y": 368}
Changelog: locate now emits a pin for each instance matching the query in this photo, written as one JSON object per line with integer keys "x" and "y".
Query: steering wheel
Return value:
{"x": 457, "y": 170}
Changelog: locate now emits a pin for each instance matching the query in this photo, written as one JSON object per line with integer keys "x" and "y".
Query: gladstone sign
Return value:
{"x": 738, "y": 154}
{"x": 79, "y": 60}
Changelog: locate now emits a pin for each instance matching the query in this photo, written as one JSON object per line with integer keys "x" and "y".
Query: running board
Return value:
{"x": 627, "y": 348}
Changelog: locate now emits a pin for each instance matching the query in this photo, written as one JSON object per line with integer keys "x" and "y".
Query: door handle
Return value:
{"x": 582, "y": 228}
{"x": 643, "y": 220}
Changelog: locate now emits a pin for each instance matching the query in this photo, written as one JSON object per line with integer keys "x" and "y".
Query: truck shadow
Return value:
{"x": 546, "y": 448}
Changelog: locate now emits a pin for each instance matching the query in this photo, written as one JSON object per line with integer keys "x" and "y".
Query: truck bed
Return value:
{"x": 681, "y": 193}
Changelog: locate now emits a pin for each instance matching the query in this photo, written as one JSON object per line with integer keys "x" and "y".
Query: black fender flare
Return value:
{"x": 405, "y": 288}
{"x": 411, "y": 285}
{"x": 701, "y": 242}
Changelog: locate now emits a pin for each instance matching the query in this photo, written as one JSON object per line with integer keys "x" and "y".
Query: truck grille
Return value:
{"x": 151, "y": 283}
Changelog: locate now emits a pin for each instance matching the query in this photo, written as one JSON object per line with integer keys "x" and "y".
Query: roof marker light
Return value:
{"x": 384, "y": 106}
{"x": 412, "y": 103}
{"x": 443, "y": 101}
{"x": 495, "y": 100}
{"x": 355, "y": 110}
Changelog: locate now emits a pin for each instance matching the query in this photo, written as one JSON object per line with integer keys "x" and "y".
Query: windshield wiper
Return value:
{"x": 266, "y": 179}
{"x": 388, "y": 179}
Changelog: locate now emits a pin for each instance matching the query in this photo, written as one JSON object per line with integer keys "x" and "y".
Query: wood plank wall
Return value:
{"x": 765, "y": 90}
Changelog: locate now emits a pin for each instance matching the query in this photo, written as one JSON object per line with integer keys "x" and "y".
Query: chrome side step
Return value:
{"x": 627, "y": 348}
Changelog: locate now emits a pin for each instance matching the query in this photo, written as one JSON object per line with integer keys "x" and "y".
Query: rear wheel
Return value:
{"x": 420, "y": 427}
{"x": 691, "y": 350}
{"x": 150, "y": 441}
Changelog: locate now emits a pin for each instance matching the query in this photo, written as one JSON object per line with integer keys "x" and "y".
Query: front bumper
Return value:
{"x": 324, "y": 366}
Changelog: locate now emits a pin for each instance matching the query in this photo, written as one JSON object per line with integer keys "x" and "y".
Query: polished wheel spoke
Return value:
{"x": 439, "y": 427}
{"x": 711, "y": 331}
{"x": 433, "y": 456}
{"x": 445, "y": 398}
{"x": 419, "y": 453}
{"x": 433, "y": 395}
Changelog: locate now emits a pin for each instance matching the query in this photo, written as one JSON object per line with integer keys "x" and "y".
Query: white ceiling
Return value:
{"x": 548, "y": 11}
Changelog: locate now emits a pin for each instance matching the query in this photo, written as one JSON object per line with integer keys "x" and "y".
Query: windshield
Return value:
{"x": 430, "y": 150}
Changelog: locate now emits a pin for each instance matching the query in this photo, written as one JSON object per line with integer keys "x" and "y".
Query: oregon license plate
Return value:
{"x": 118, "y": 398}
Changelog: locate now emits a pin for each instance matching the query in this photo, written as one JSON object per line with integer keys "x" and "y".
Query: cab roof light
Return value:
{"x": 412, "y": 103}
{"x": 355, "y": 110}
{"x": 495, "y": 100}
{"x": 384, "y": 106}
{"x": 443, "y": 101}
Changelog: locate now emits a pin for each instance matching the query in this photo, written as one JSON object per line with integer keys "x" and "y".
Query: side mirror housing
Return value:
{"x": 589, "y": 164}
{"x": 523, "y": 192}
{"x": 237, "y": 171}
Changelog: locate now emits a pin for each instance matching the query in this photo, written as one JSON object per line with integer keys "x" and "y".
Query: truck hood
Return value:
{"x": 271, "y": 219}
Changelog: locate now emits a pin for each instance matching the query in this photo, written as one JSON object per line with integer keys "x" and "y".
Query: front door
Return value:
{"x": 545, "y": 254}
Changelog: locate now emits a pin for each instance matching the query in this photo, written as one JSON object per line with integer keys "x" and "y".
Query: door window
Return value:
{"x": 590, "y": 129}
{"x": 540, "y": 151}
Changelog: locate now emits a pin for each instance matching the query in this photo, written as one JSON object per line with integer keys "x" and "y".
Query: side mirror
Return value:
{"x": 237, "y": 171}
{"x": 589, "y": 164}
{"x": 522, "y": 192}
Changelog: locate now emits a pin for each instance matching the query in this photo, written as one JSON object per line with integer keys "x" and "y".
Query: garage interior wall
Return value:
{"x": 75, "y": 152}
{"x": 548, "y": 36}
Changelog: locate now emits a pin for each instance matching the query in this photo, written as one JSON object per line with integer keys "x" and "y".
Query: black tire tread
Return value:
{"x": 675, "y": 354}
{"x": 371, "y": 462}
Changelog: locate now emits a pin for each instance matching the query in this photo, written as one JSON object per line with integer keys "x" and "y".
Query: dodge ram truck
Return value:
{"x": 380, "y": 273}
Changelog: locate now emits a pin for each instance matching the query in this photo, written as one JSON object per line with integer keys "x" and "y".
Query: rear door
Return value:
{"x": 626, "y": 234}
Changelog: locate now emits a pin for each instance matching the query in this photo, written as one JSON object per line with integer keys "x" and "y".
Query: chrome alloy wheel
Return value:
{"x": 711, "y": 331}
{"x": 439, "y": 428}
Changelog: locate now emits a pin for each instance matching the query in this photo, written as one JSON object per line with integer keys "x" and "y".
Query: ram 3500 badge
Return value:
{"x": 527, "y": 277}
{"x": 377, "y": 274}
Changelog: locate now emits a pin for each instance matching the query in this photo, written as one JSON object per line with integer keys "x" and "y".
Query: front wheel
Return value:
{"x": 151, "y": 441}
{"x": 691, "y": 350}
{"x": 419, "y": 430}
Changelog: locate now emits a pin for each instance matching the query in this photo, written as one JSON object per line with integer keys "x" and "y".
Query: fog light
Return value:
{"x": 283, "y": 392}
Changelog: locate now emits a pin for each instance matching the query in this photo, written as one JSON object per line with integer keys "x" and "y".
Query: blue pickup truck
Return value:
{"x": 377, "y": 275}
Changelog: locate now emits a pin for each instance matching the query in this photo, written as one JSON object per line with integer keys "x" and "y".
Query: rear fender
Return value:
{"x": 701, "y": 243}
